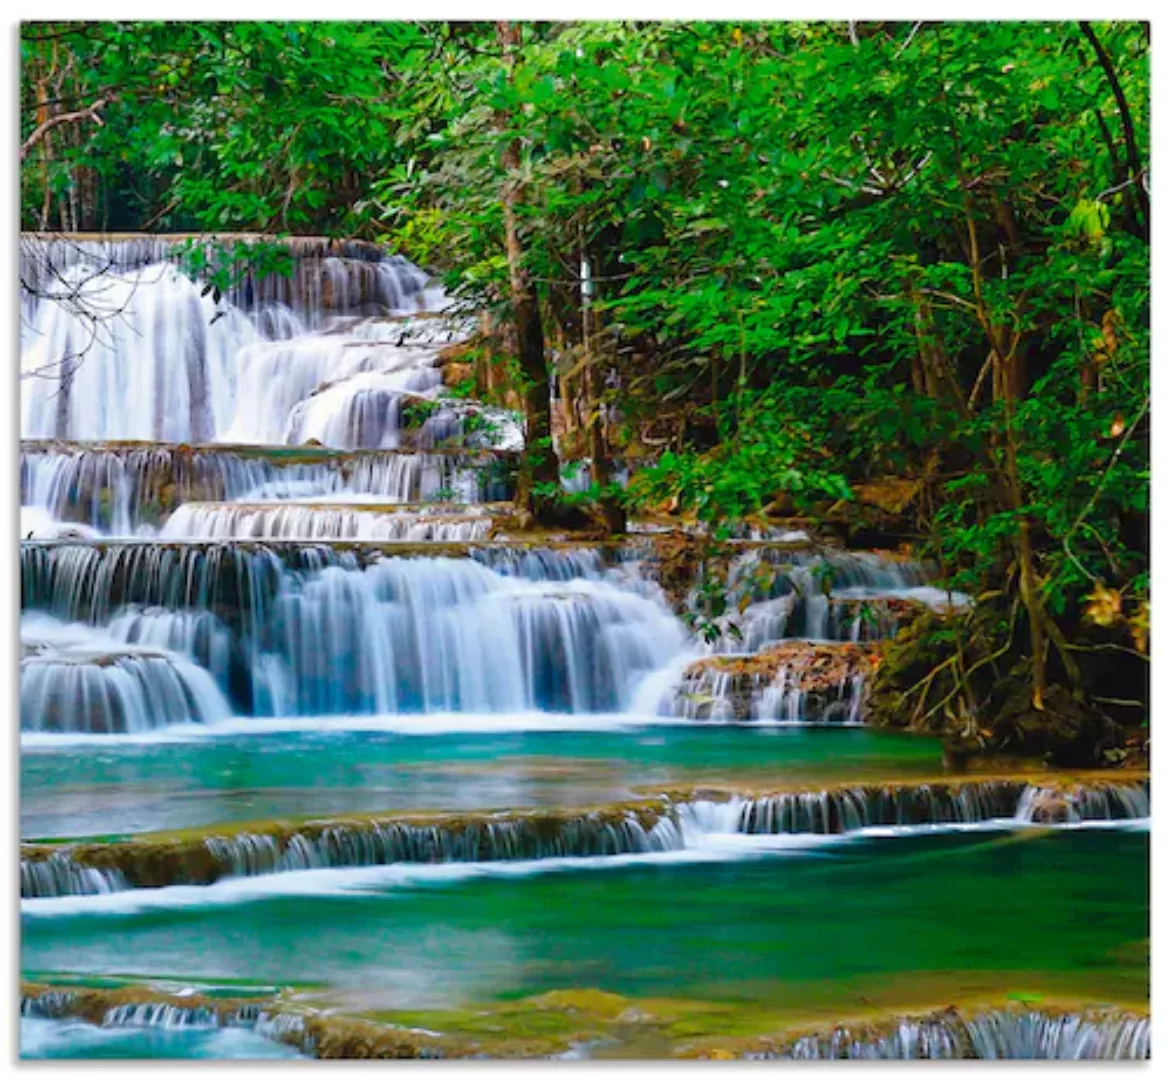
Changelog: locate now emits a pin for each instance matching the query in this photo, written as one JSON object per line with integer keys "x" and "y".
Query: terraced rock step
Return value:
{"x": 153, "y": 861}
{"x": 576, "y": 1022}
{"x": 322, "y": 520}
{"x": 122, "y": 487}
{"x": 135, "y": 1006}
{"x": 661, "y": 823}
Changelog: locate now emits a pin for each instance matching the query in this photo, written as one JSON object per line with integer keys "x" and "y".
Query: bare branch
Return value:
{"x": 88, "y": 113}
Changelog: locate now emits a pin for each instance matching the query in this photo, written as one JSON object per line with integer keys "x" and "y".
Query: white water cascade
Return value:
{"x": 119, "y": 347}
{"x": 329, "y": 633}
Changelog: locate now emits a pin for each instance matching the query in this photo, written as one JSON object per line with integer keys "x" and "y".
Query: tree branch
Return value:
{"x": 90, "y": 112}
{"x": 1136, "y": 171}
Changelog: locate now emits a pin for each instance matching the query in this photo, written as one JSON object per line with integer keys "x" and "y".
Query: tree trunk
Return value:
{"x": 538, "y": 462}
{"x": 613, "y": 513}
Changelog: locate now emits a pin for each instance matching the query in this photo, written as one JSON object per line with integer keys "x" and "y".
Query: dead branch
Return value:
{"x": 90, "y": 112}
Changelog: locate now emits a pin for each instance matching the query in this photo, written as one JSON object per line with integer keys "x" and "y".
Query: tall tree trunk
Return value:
{"x": 613, "y": 512}
{"x": 1005, "y": 376}
{"x": 538, "y": 462}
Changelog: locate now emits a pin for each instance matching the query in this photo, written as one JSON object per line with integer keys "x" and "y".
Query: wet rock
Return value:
{"x": 790, "y": 680}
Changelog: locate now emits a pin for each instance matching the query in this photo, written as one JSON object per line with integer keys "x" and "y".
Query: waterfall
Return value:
{"x": 474, "y": 841}
{"x": 101, "y": 1005}
{"x": 283, "y": 521}
{"x": 49, "y": 1004}
{"x": 790, "y": 681}
{"x": 294, "y": 391}
{"x": 855, "y": 596}
{"x": 623, "y": 829}
{"x": 1106, "y": 802}
{"x": 712, "y": 694}
{"x": 847, "y": 810}
{"x": 124, "y": 490}
{"x": 161, "y": 1014}
{"x": 122, "y": 341}
{"x": 995, "y": 1034}
{"x": 316, "y": 630}
{"x": 286, "y": 1028}
{"x": 59, "y": 875}
{"x": 150, "y": 364}
{"x": 76, "y": 679}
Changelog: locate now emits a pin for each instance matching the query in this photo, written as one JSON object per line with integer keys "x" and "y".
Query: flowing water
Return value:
{"x": 401, "y": 761}
{"x": 802, "y": 926}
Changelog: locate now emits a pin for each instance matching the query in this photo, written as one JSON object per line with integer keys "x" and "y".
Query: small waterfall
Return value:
{"x": 855, "y": 596}
{"x": 1004, "y": 1035}
{"x": 317, "y": 845}
{"x": 48, "y": 1004}
{"x": 995, "y": 1034}
{"x": 124, "y": 490}
{"x": 198, "y": 635}
{"x": 118, "y": 348}
{"x": 305, "y": 389}
{"x": 91, "y": 690}
{"x": 376, "y": 844}
{"x": 59, "y": 875}
{"x": 284, "y": 521}
{"x": 845, "y": 810}
{"x": 163, "y": 1015}
{"x": 631, "y": 829}
{"x": 317, "y": 630}
{"x": 289, "y": 1028}
{"x": 102, "y": 1006}
{"x": 1104, "y": 802}
{"x": 150, "y": 364}
{"x": 791, "y": 681}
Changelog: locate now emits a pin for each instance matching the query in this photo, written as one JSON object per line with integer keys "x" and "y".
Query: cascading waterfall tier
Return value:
{"x": 989, "y": 1034}
{"x": 319, "y": 629}
{"x": 657, "y": 824}
{"x": 136, "y": 1007}
{"x": 73, "y": 679}
{"x": 285, "y": 521}
{"x": 151, "y": 863}
{"x": 127, "y": 488}
{"x": 317, "y": 350}
{"x": 789, "y": 681}
{"x": 993, "y": 1034}
{"x": 60, "y": 875}
{"x": 327, "y": 274}
{"x": 790, "y": 592}
{"x": 834, "y": 811}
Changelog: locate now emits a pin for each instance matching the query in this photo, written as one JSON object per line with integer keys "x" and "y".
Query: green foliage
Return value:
{"x": 768, "y": 454}
{"x": 416, "y": 412}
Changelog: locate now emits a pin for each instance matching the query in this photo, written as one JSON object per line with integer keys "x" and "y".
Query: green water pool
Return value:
{"x": 938, "y": 917}
{"x": 124, "y": 786}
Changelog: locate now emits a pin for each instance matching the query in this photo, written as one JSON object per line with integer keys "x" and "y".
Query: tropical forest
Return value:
{"x": 584, "y": 540}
